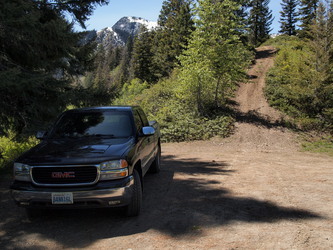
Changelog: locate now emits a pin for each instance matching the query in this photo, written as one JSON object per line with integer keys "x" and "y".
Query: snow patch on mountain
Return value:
{"x": 126, "y": 27}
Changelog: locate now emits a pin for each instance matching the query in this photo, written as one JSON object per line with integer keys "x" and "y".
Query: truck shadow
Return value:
{"x": 175, "y": 205}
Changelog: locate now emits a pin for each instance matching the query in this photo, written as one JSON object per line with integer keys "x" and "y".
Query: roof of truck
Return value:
{"x": 120, "y": 108}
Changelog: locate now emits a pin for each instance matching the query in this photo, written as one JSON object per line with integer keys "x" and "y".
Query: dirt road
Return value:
{"x": 254, "y": 190}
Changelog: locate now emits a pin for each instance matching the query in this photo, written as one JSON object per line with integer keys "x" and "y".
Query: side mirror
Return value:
{"x": 40, "y": 135}
{"x": 146, "y": 131}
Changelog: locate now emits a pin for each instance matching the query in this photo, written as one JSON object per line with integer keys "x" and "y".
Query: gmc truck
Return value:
{"x": 91, "y": 157}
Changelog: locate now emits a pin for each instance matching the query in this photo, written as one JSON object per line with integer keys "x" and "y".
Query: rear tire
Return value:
{"x": 156, "y": 165}
{"x": 133, "y": 209}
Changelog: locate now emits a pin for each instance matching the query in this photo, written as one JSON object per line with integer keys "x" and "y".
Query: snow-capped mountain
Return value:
{"x": 118, "y": 34}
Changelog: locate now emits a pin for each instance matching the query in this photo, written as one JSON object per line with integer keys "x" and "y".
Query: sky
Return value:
{"x": 107, "y": 15}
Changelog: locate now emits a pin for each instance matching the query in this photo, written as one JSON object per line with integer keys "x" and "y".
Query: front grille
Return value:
{"x": 69, "y": 175}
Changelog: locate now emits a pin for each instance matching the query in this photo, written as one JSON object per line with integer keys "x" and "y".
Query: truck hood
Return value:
{"x": 76, "y": 151}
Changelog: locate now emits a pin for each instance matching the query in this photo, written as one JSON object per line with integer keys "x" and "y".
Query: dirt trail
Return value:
{"x": 254, "y": 190}
{"x": 259, "y": 126}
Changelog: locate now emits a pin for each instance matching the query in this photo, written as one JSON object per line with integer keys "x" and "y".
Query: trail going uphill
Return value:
{"x": 259, "y": 126}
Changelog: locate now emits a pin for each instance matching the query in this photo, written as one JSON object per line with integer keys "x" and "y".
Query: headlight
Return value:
{"x": 21, "y": 172}
{"x": 111, "y": 170}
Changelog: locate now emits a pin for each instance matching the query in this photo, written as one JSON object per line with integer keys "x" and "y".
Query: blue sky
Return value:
{"x": 108, "y": 15}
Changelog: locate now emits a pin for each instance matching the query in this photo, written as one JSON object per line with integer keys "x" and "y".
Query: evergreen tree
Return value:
{"x": 142, "y": 57}
{"x": 330, "y": 32}
{"x": 78, "y": 9}
{"x": 101, "y": 69}
{"x": 114, "y": 57}
{"x": 176, "y": 25}
{"x": 216, "y": 57}
{"x": 260, "y": 21}
{"x": 40, "y": 55}
{"x": 288, "y": 17}
{"x": 321, "y": 35}
{"x": 123, "y": 73}
{"x": 307, "y": 13}
{"x": 243, "y": 10}
{"x": 321, "y": 41}
{"x": 243, "y": 14}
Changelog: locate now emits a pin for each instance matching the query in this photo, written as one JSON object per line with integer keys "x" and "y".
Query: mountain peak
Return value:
{"x": 124, "y": 28}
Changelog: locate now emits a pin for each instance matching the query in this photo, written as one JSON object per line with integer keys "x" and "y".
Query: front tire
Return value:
{"x": 133, "y": 209}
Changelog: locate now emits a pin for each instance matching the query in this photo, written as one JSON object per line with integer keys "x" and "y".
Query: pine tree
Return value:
{"x": 288, "y": 17}
{"x": 330, "y": 33}
{"x": 216, "y": 57}
{"x": 243, "y": 10}
{"x": 142, "y": 57}
{"x": 260, "y": 21}
{"x": 114, "y": 57}
{"x": 321, "y": 41}
{"x": 78, "y": 9}
{"x": 307, "y": 13}
{"x": 176, "y": 25}
{"x": 124, "y": 73}
{"x": 40, "y": 56}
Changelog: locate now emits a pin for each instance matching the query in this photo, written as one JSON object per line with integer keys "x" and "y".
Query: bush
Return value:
{"x": 178, "y": 121}
{"x": 295, "y": 87}
{"x": 130, "y": 92}
{"x": 11, "y": 149}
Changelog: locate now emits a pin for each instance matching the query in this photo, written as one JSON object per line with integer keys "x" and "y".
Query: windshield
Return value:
{"x": 94, "y": 123}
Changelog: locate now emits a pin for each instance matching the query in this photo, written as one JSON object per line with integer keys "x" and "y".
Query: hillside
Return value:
{"x": 258, "y": 126}
{"x": 254, "y": 190}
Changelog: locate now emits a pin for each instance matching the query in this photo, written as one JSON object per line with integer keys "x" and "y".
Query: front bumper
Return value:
{"x": 104, "y": 194}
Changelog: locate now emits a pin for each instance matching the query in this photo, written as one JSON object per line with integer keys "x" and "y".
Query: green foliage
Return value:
{"x": 40, "y": 56}
{"x": 111, "y": 67}
{"x": 142, "y": 58}
{"x": 288, "y": 17}
{"x": 188, "y": 104}
{"x": 11, "y": 149}
{"x": 289, "y": 84}
{"x": 178, "y": 121}
{"x": 130, "y": 93}
{"x": 317, "y": 144}
{"x": 260, "y": 20}
{"x": 188, "y": 127}
{"x": 27, "y": 101}
{"x": 215, "y": 59}
{"x": 297, "y": 87}
{"x": 282, "y": 40}
{"x": 171, "y": 38}
{"x": 307, "y": 12}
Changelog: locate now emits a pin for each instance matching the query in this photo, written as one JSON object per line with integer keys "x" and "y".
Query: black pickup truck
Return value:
{"x": 92, "y": 157}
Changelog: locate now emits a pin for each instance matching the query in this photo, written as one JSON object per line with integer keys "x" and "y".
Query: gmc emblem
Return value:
{"x": 63, "y": 175}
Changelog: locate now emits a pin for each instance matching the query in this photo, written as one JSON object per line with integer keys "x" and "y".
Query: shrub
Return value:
{"x": 295, "y": 87}
{"x": 178, "y": 121}
{"x": 11, "y": 149}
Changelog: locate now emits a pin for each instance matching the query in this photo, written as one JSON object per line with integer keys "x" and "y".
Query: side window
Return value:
{"x": 137, "y": 120}
{"x": 143, "y": 118}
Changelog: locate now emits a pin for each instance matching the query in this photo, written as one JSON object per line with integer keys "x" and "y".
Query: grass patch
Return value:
{"x": 318, "y": 144}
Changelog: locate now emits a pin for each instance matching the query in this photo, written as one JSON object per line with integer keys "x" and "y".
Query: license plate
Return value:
{"x": 62, "y": 198}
